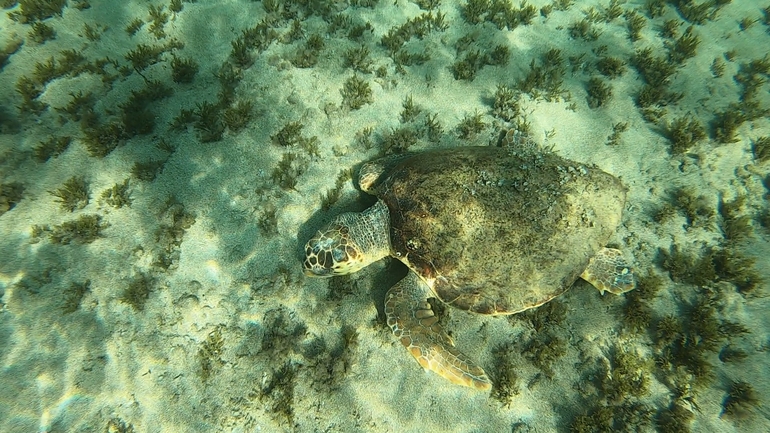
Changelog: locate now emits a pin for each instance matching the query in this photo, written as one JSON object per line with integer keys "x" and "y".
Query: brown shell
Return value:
{"x": 496, "y": 232}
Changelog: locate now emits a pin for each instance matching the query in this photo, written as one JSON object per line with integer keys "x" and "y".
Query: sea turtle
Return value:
{"x": 491, "y": 230}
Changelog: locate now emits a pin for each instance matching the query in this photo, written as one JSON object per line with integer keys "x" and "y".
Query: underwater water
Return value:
{"x": 163, "y": 162}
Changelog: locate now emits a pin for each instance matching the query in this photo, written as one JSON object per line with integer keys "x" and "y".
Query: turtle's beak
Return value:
{"x": 309, "y": 272}
{"x": 318, "y": 272}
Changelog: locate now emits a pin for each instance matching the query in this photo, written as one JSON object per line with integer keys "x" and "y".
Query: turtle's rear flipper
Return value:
{"x": 414, "y": 324}
{"x": 609, "y": 271}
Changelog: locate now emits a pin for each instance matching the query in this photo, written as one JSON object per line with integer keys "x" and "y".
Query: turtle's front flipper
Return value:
{"x": 414, "y": 324}
{"x": 609, "y": 271}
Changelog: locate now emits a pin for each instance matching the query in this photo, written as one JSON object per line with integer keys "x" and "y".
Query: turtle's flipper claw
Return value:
{"x": 414, "y": 324}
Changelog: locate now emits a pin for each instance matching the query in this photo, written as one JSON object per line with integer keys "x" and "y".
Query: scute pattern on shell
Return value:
{"x": 498, "y": 230}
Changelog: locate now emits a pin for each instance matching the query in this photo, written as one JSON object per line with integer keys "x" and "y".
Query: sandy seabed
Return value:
{"x": 189, "y": 310}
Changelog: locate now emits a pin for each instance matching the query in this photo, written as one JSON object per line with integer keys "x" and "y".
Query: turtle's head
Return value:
{"x": 332, "y": 252}
{"x": 350, "y": 242}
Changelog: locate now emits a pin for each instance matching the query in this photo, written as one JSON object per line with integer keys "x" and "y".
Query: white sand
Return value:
{"x": 109, "y": 363}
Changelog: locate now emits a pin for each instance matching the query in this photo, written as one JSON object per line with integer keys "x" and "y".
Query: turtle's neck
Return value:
{"x": 371, "y": 231}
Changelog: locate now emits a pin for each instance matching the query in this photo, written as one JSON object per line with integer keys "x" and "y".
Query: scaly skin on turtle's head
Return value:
{"x": 332, "y": 252}
{"x": 350, "y": 242}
